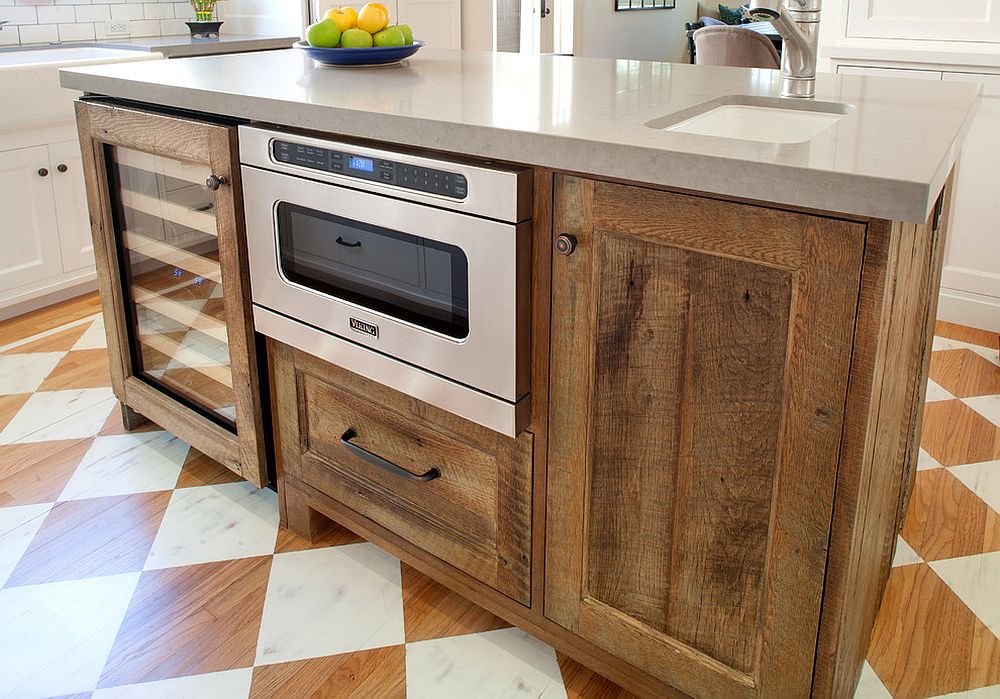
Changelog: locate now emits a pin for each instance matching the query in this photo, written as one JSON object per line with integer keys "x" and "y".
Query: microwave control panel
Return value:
{"x": 420, "y": 179}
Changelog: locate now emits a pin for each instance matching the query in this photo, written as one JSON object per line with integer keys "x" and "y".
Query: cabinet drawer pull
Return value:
{"x": 348, "y": 244}
{"x": 381, "y": 463}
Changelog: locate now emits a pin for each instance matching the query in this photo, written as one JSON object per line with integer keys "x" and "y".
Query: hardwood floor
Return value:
{"x": 135, "y": 562}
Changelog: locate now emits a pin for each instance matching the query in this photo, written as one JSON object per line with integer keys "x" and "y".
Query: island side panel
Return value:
{"x": 889, "y": 369}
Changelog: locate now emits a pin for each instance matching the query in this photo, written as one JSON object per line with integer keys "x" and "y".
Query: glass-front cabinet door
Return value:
{"x": 172, "y": 261}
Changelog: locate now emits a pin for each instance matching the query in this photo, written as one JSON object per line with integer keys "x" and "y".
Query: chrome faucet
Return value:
{"x": 798, "y": 23}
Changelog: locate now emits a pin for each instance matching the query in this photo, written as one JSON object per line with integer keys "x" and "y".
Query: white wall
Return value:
{"x": 656, "y": 35}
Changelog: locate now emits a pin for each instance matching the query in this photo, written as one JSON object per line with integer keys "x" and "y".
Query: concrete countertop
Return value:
{"x": 888, "y": 158}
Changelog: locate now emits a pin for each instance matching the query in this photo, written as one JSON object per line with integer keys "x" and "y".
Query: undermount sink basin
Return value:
{"x": 762, "y": 119}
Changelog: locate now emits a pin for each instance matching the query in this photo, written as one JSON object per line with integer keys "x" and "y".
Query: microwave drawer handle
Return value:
{"x": 381, "y": 463}
{"x": 341, "y": 241}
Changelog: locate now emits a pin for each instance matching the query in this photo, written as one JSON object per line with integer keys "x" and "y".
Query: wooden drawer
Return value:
{"x": 459, "y": 491}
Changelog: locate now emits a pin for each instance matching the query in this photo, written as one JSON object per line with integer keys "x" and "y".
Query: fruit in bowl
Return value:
{"x": 345, "y": 17}
{"x": 343, "y": 27}
{"x": 324, "y": 34}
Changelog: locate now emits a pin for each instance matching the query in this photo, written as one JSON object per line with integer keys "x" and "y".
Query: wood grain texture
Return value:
{"x": 431, "y": 610}
{"x": 49, "y": 318}
{"x": 699, "y": 367}
{"x": 957, "y": 434}
{"x": 190, "y": 620}
{"x": 378, "y": 673}
{"x": 476, "y": 515}
{"x": 37, "y": 472}
{"x": 215, "y": 146}
{"x": 79, "y": 369}
{"x": 948, "y": 520}
{"x": 963, "y": 373}
{"x": 983, "y": 338}
{"x": 879, "y": 446}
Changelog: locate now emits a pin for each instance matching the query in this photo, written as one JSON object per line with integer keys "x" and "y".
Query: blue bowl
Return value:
{"x": 373, "y": 56}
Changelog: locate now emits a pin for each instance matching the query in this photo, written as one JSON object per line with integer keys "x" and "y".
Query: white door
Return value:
{"x": 437, "y": 22}
{"x": 71, "y": 205}
{"x": 29, "y": 238}
{"x": 940, "y": 20}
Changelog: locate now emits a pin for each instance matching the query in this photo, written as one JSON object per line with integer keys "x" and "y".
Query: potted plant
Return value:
{"x": 204, "y": 25}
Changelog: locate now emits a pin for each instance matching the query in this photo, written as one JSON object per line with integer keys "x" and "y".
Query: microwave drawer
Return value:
{"x": 458, "y": 490}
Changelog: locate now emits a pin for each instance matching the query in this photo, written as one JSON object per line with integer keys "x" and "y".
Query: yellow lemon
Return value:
{"x": 345, "y": 17}
{"x": 373, "y": 18}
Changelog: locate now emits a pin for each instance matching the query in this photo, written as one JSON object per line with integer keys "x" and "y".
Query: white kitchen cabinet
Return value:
{"x": 438, "y": 22}
{"x": 955, "y": 20}
{"x": 75, "y": 242}
{"x": 30, "y": 237}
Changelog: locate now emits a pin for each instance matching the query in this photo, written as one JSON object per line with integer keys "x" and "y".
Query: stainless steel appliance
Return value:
{"x": 409, "y": 270}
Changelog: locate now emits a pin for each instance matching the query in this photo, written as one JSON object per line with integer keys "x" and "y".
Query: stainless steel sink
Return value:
{"x": 762, "y": 119}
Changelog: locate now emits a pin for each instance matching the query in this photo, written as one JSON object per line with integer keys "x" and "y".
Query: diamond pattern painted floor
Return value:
{"x": 133, "y": 566}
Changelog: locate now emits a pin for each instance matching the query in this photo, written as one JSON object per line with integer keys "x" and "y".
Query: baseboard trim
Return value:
{"x": 47, "y": 296}
{"x": 973, "y": 310}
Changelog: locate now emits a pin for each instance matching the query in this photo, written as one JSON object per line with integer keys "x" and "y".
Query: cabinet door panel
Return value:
{"x": 957, "y": 20}
{"x": 699, "y": 368}
{"x": 30, "y": 238}
{"x": 75, "y": 240}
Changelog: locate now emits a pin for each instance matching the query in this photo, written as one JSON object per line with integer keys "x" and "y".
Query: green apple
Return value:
{"x": 325, "y": 34}
{"x": 407, "y": 32}
{"x": 355, "y": 39}
{"x": 390, "y": 37}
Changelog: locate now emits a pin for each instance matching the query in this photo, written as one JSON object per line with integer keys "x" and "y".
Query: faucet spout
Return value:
{"x": 797, "y": 21}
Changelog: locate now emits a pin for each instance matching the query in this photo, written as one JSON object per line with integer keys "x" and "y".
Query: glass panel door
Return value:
{"x": 171, "y": 278}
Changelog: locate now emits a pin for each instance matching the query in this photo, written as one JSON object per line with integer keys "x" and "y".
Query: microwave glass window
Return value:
{"x": 420, "y": 281}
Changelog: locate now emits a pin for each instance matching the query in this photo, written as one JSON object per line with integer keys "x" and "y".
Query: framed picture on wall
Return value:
{"x": 621, "y": 5}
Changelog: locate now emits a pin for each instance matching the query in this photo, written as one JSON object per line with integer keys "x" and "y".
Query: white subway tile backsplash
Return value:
{"x": 156, "y": 10}
{"x": 92, "y": 13}
{"x": 9, "y": 37}
{"x": 172, "y": 27}
{"x": 39, "y": 34}
{"x": 55, "y": 14}
{"x": 123, "y": 11}
{"x": 145, "y": 27}
{"x": 84, "y": 31}
{"x": 20, "y": 14}
{"x": 72, "y": 2}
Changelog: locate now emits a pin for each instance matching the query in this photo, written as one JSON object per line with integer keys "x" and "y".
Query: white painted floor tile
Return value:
{"x": 215, "y": 523}
{"x": 23, "y": 373}
{"x": 18, "y": 526}
{"x": 495, "y": 664}
{"x": 93, "y": 337}
{"x": 926, "y": 462}
{"x": 870, "y": 686}
{"x": 130, "y": 463}
{"x": 231, "y": 684}
{"x": 936, "y": 392}
{"x": 987, "y": 406}
{"x": 984, "y": 480}
{"x": 981, "y": 693}
{"x": 55, "y": 638}
{"x": 905, "y": 555}
{"x": 975, "y": 580}
{"x": 329, "y": 601}
{"x": 54, "y": 415}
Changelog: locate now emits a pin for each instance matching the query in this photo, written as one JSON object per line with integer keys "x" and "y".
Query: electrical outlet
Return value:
{"x": 112, "y": 28}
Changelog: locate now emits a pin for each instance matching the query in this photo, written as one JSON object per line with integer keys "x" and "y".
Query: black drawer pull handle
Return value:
{"x": 381, "y": 463}
{"x": 355, "y": 244}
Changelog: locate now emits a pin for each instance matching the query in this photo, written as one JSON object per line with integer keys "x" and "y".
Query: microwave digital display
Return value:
{"x": 363, "y": 164}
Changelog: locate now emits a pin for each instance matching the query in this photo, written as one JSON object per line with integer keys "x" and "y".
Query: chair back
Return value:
{"x": 734, "y": 46}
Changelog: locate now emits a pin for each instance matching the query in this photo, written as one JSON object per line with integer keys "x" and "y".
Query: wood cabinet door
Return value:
{"x": 699, "y": 367}
{"x": 172, "y": 267}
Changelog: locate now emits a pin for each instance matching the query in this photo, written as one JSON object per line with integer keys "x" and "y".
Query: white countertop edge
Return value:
{"x": 806, "y": 188}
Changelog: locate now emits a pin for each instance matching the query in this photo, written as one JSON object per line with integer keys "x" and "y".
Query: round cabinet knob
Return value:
{"x": 42, "y": 172}
{"x": 62, "y": 167}
{"x": 565, "y": 244}
{"x": 213, "y": 182}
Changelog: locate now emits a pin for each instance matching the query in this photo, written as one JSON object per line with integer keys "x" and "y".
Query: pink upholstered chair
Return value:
{"x": 734, "y": 46}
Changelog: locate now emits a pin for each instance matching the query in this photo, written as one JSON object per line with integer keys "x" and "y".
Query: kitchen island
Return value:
{"x": 719, "y": 345}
